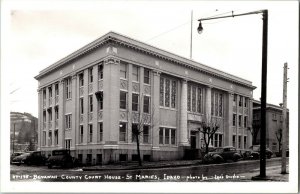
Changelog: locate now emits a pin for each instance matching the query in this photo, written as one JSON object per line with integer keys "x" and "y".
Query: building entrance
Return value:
{"x": 193, "y": 139}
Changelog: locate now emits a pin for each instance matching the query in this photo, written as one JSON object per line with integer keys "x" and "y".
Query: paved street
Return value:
{"x": 238, "y": 171}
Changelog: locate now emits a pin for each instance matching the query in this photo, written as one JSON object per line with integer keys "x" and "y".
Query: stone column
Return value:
{"x": 155, "y": 82}
{"x": 74, "y": 112}
{"x": 208, "y": 103}
{"x": 111, "y": 102}
{"x": 228, "y": 119}
{"x": 250, "y": 119}
{"x": 95, "y": 104}
{"x": 61, "y": 113}
{"x": 40, "y": 116}
{"x": 85, "y": 106}
{"x": 183, "y": 115}
{"x": 129, "y": 104}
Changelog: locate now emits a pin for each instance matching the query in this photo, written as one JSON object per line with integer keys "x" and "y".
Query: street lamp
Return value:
{"x": 264, "y": 13}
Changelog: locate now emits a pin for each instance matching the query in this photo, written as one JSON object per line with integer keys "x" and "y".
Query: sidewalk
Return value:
{"x": 273, "y": 173}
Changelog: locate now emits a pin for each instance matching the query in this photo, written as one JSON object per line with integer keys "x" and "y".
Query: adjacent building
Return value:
{"x": 91, "y": 101}
{"x": 274, "y": 122}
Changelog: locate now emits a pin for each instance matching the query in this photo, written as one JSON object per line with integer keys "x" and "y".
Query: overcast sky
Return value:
{"x": 41, "y": 33}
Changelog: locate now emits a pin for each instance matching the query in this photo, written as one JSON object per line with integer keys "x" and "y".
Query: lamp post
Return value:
{"x": 263, "y": 82}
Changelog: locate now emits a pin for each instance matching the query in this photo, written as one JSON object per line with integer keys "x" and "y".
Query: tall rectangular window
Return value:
{"x": 50, "y": 114}
{"x": 50, "y": 92}
{"x": 233, "y": 119}
{"x": 161, "y": 136}
{"x": 168, "y": 90}
{"x": 100, "y": 71}
{"x": 135, "y": 102}
{"x": 68, "y": 121}
{"x": 167, "y": 136}
{"x": 100, "y": 130}
{"x": 233, "y": 141}
{"x": 173, "y": 94}
{"x": 123, "y": 100}
{"x": 234, "y": 98}
{"x": 90, "y": 75}
{"x": 161, "y": 91}
{"x": 245, "y": 121}
{"x": 146, "y": 104}
{"x": 194, "y": 99}
{"x": 146, "y": 134}
{"x": 44, "y": 138}
{"x": 81, "y": 106}
{"x": 240, "y": 100}
{"x": 91, "y": 103}
{"x": 81, "y": 134}
{"x": 246, "y": 102}
{"x": 50, "y": 138}
{"x": 240, "y": 120}
{"x": 123, "y": 70}
{"x": 245, "y": 142}
{"x": 212, "y": 103}
{"x": 220, "y": 105}
{"x": 240, "y": 141}
{"x": 216, "y": 104}
{"x": 90, "y": 139}
{"x": 56, "y": 113}
{"x": 220, "y": 140}
{"x": 173, "y": 136}
{"x": 56, "y": 137}
{"x": 199, "y": 100}
{"x": 146, "y": 76}
{"x": 134, "y": 132}
{"x": 68, "y": 88}
{"x": 81, "y": 80}
{"x": 44, "y": 95}
{"x": 122, "y": 132}
{"x": 68, "y": 144}
{"x": 100, "y": 100}
{"x": 189, "y": 97}
{"x": 56, "y": 90}
{"x": 135, "y": 73}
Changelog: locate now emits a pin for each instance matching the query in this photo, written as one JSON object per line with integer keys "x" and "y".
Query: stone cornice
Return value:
{"x": 117, "y": 39}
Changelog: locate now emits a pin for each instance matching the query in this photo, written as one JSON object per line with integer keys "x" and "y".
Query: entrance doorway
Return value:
{"x": 193, "y": 139}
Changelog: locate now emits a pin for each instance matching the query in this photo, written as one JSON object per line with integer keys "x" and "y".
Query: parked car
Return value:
{"x": 256, "y": 148}
{"x": 222, "y": 155}
{"x": 61, "y": 158}
{"x": 30, "y": 158}
{"x": 15, "y": 154}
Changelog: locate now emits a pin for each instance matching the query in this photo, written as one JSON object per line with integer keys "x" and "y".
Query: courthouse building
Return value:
{"x": 91, "y": 100}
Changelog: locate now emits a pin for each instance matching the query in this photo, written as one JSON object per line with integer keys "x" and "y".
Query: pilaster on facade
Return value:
{"x": 95, "y": 104}
{"x": 156, "y": 112}
{"x": 228, "y": 119}
{"x": 61, "y": 127}
{"x": 183, "y": 115}
{"x": 40, "y": 113}
{"x": 74, "y": 113}
{"x": 111, "y": 100}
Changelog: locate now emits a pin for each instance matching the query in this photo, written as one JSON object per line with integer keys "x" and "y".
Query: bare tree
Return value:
{"x": 254, "y": 129}
{"x": 208, "y": 128}
{"x": 141, "y": 124}
{"x": 278, "y": 134}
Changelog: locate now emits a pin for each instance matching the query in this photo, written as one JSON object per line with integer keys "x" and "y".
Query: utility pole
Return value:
{"x": 284, "y": 123}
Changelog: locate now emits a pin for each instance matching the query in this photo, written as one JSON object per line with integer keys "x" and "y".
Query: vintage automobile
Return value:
{"x": 15, "y": 154}
{"x": 61, "y": 158}
{"x": 222, "y": 154}
{"x": 29, "y": 158}
{"x": 256, "y": 149}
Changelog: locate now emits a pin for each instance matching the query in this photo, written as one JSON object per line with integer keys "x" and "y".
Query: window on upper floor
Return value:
{"x": 68, "y": 85}
{"x": 90, "y": 103}
{"x": 50, "y": 92}
{"x": 123, "y": 70}
{"x": 241, "y": 101}
{"x": 90, "y": 74}
{"x": 81, "y": 105}
{"x": 122, "y": 132}
{"x": 146, "y": 76}
{"x": 146, "y": 104}
{"x": 168, "y": 92}
{"x": 240, "y": 120}
{"x": 195, "y": 99}
{"x": 245, "y": 121}
{"x": 146, "y": 133}
{"x": 123, "y": 100}
{"x": 100, "y": 131}
{"x": 100, "y": 71}
{"x": 234, "y": 120}
{"x": 135, "y": 102}
{"x": 68, "y": 121}
{"x": 246, "y": 102}
{"x": 56, "y": 90}
{"x": 99, "y": 96}
{"x": 135, "y": 73}
{"x": 81, "y": 134}
{"x": 81, "y": 80}
{"x": 217, "y": 104}
{"x": 90, "y": 138}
